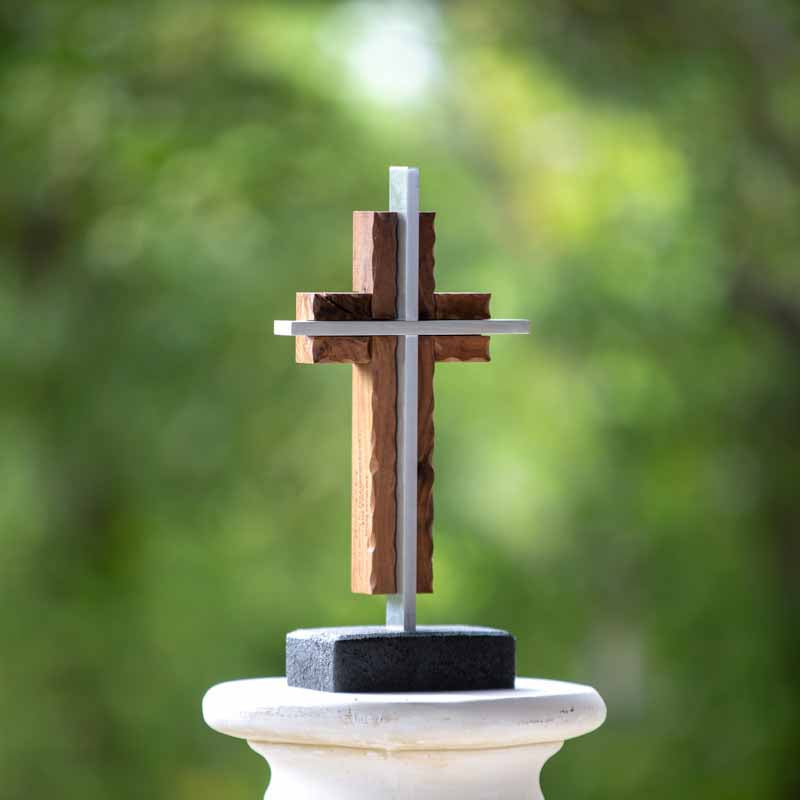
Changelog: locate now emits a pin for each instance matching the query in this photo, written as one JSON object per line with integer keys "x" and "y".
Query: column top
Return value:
{"x": 267, "y": 710}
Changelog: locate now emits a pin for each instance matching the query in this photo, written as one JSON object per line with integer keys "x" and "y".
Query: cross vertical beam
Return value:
{"x": 401, "y": 607}
{"x": 374, "y": 497}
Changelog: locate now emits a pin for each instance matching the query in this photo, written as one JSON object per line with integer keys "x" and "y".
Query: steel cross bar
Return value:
{"x": 425, "y": 327}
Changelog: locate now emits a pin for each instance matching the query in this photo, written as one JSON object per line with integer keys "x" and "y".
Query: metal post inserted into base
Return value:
{"x": 401, "y": 608}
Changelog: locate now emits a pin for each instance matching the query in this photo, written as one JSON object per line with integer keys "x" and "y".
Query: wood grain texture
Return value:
{"x": 374, "y": 249}
{"x": 425, "y": 401}
{"x": 328, "y": 306}
{"x": 427, "y": 262}
{"x": 461, "y": 348}
{"x": 332, "y": 349}
{"x": 347, "y": 306}
{"x": 425, "y": 475}
{"x": 374, "y": 504}
{"x": 462, "y": 305}
{"x": 446, "y": 306}
{"x": 374, "y": 501}
{"x": 333, "y": 306}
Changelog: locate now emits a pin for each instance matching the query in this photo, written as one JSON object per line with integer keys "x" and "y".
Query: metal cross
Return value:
{"x": 353, "y": 328}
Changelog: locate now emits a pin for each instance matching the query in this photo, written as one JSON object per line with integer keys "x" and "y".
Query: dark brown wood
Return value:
{"x": 374, "y": 296}
{"x": 332, "y": 349}
{"x": 425, "y": 401}
{"x": 427, "y": 281}
{"x": 347, "y": 306}
{"x": 374, "y": 248}
{"x": 333, "y": 306}
{"x": 374, "y": 512}
{"x": 425, "y": 439}
{"x": 462, "y": 305}
{"x": 437, "y": 305}
{"x": 461, "y": 348}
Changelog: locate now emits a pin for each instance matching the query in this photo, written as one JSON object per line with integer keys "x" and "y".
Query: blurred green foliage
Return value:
{"x": 620, "y": 488}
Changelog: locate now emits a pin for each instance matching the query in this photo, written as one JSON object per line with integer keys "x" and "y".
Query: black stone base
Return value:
{"x": 446, "y": 658}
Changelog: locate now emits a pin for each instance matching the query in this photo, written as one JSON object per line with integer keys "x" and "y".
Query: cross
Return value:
{"x": 393, "y": 327}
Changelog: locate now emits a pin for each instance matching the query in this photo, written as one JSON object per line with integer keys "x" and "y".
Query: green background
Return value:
{"x": 620, "y": 488}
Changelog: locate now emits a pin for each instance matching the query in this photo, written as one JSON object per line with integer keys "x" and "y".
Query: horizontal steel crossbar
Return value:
{"x": 401, "y": 327}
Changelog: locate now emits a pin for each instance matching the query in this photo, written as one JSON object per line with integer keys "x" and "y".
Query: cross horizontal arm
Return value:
{"x": 335, "y": 349}
{"x": 351, "y": 306}
{"x": 400, "y": 327}
{"x": 358, "y": 349}
{"x": 454, "y": 348}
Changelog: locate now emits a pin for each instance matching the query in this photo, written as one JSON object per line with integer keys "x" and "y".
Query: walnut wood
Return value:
{"x": 437, "y": 305}
{"x": 374, "y": 510}
{"x": 425, "y": 438}
{"x": 332, "y": 349}
{"x": 460, "y": 348}
{"x": 425, "y": 432}
{"x": 374, "y": 514}
{"x": 462, "y": 305}
{"x": 356, "y": 349}
{"x": 333, "y": 306}
{"x": 374, "y": 248}
{"x": 427, "y": 281}
{"x": 348, "y": 306}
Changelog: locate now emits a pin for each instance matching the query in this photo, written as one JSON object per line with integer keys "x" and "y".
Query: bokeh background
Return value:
{"x": 620, "y": 488}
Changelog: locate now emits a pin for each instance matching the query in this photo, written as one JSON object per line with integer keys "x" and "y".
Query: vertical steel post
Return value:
{"x": 401, "y": 608}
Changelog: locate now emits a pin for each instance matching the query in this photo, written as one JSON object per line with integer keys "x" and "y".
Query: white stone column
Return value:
{"x": 431, "y": 746}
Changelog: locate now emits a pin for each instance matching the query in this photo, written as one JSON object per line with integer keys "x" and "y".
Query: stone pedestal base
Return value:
{"x": 433, "y": 658}
{"x": 426, "y": 746}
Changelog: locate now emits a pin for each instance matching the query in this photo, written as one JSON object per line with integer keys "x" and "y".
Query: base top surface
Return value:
{"x": 387, "y": 632}
{"x": 536, "y": 710}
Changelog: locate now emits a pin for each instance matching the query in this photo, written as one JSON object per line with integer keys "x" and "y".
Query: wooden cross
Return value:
{"x": 393, "y": 327}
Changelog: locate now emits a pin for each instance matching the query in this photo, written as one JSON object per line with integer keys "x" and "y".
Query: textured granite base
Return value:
{"x": 377, "y": 659}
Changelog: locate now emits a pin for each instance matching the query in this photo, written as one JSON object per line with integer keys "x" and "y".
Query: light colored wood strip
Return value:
{"x": 425, "y": 474}
{"x": 374, "y": 501}
{"x": 332, "y": 350}
{"x": 374, "y": 250}
{"x": 462, "y": 305}
{"x": 374, "y": 509}
{"x": 461, "y": 348}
